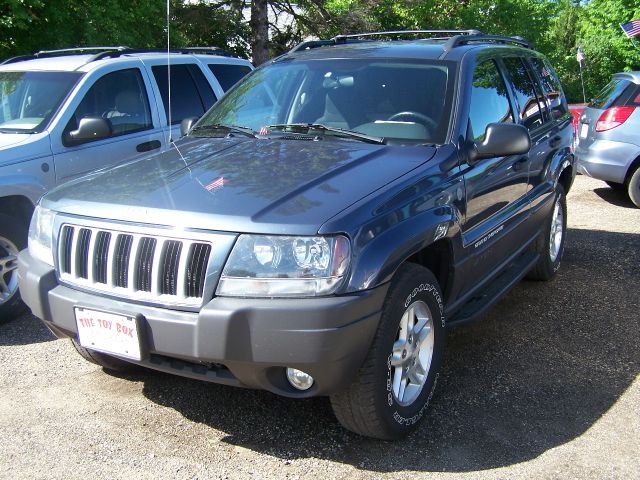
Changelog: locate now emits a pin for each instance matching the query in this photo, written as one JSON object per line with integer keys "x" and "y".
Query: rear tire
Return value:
{"x": 550, "y": 244}
{"x": 634, "y": 187}
{"x": 105, "y": 361}
{"x": 392, "y": 390}
{"x": 13, "y": 238}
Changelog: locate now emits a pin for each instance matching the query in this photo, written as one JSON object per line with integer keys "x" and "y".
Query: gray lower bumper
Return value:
{"x": 606, "y": 159}
{"x": 244, "y": 342}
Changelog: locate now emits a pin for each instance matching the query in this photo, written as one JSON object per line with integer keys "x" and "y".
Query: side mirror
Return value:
{"x": 186, "y": 124}
{"x": 89, "y": 128}
{"x": 501, "y": 140}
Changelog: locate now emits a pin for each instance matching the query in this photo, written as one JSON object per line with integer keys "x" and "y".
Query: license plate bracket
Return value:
{"x": 109, "y": 332}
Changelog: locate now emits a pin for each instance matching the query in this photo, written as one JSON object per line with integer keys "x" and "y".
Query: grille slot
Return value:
{"x": 100, "y": 256}
{"x": 82, "y": 253}
{"x": 122, "y": 254}
{"x": 146, "y": 249}
{"x": 65, "y": 249}
{"x": 143, "y": 267}
{"x": 169, "y": 267}
{"x": 196, "y": 268}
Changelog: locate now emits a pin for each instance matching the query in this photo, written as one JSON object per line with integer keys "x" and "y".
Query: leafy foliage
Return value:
{"x": 556, "y": 27}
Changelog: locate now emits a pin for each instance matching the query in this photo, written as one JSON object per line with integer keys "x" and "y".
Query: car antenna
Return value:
{"x": 169, "y": 74}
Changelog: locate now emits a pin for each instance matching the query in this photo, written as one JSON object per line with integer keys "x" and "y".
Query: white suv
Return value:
{"x": 66, "y": 113}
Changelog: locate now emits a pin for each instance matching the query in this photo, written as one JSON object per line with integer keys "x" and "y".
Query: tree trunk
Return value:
{"x": 259, "y": 31}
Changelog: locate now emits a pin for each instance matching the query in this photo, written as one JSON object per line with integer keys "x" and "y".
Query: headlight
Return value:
{"x": 41, "y": 234}
{"x": 274, "y": 266}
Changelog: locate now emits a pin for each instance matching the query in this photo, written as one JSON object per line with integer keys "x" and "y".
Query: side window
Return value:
{"x": 529, "y": 105}
{"x": 120, "y": 97}
{"x": 228, "y": 74}
{"x": 551, "y": 87}
{"x": 489, "y": 101}
{"x": 191, "y": 94}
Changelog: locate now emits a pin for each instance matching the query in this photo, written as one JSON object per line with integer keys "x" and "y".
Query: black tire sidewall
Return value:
{"x": 554, "y": 265}
{"x": 634, "y": 188}
{"x": 416, "y": 284}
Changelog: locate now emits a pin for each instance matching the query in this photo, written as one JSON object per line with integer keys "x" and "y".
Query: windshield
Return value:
{"x": 391, "y": 99}
{"x": 28, "y": 100}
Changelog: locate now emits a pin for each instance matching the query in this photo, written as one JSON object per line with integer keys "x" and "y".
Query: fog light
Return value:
{"x": 299, "y": 379}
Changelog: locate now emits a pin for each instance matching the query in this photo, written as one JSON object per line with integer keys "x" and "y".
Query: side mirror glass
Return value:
{"x": 89, "y": 129}
{"x": 186, "y": 124}
{"x": 501, "y": 140}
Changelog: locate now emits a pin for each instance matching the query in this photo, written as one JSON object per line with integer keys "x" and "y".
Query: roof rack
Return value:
{"x": 454, "y": 38}
{"x": 113, "y": 52}
{"x": 60, "y": 52}
{"x": 459, "y": 40}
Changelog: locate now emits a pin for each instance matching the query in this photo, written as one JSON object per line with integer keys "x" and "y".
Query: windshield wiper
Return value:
{"x": 246, "y": 131}
{"x": 308, "y": 127}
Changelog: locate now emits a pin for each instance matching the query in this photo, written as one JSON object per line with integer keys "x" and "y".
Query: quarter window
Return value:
{"x": 551, "y": 87}
{"x": 228, "y": 74}
{"x": 529, "y": 105}
{"x": 121, "y": 98}
{"x": 489, "y": 101}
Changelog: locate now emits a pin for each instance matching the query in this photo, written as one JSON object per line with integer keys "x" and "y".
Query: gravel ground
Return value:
{"x": 545, "y": 386}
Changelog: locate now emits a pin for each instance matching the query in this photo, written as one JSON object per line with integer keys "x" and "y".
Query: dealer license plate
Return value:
{"x": 108, "y": 332}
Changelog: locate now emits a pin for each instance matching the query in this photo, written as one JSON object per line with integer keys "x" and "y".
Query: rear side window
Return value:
{"x": 228, "y": 74}
{"x": 191, "y": 94}
{"x": 551, "y": 87}
{"x": 611, "y": 94}
{"x": 121, "y": 98}
{"x": 489, "y": 101}
{"x": 529, "y": 105}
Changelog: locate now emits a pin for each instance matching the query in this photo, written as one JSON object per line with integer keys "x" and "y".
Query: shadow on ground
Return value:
{"x": 617, "y": 197}
{"x": 24, "y": 330}
{"x": 545, "y": 364}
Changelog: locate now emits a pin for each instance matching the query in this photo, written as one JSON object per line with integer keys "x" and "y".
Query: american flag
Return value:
{"x": 215, "y": 184}
{"x": 631, "y": 29}
{"x": 580, "y": 55}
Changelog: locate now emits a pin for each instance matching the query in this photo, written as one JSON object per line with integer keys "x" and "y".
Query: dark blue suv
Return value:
{"x": 318, "y": 230}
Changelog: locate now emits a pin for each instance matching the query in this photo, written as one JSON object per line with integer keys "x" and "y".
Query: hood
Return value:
{"x": 11, "y": 139}
{"x": 241, "y": 185}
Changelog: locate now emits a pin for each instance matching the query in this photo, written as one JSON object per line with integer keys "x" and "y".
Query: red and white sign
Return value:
{"x": 108, "y": 332}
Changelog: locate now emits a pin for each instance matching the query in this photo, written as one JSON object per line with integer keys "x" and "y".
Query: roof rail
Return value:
{"x": 113, "y": 52}
{"x": 459, "y": 40}
{"x": 447, "y": 33}
{"x": 60, "y": 52}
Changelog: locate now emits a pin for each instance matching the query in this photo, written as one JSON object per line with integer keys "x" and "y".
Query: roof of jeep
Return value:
{"x": 419, "y": 49}
{"x": 83, "y": 63}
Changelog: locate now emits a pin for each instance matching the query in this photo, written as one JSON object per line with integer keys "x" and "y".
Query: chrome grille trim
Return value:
{"x": 157, "y": 266}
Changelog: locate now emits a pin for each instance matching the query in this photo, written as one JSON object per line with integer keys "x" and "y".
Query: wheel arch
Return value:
{"x": 632, "y": 168}
{"x": 18, "y": 207}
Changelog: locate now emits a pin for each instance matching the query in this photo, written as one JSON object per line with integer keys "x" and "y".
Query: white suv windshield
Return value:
{"x": 388, "y": 98}
{"x": 28, "y": 100}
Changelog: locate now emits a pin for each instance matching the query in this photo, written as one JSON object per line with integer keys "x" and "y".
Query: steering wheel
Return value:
{"x": 415, "y": 117}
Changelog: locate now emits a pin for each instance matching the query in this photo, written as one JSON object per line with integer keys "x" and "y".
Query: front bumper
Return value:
{"x": 606, "y": 160}
{"x": 242, "y": 342}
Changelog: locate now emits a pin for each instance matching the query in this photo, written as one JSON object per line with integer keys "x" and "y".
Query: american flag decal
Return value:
{"x": 215, "y": 184}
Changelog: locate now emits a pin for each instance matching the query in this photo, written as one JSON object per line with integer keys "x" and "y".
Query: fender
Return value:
{"x": 25, "y": 185}
{"x": 376, "y": 257}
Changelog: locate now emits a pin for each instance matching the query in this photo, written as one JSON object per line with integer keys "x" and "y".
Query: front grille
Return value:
{"x": 142, "y": 266}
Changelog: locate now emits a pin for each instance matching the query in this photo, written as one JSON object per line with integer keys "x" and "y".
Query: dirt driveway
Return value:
{"x": 545, "y": 386}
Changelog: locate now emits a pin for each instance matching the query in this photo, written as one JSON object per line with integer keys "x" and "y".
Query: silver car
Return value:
{"x": 608, "y": 144}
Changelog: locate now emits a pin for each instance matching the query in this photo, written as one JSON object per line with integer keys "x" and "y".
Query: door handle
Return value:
{"x": 519, "y": 164}
{"x": 555, "y": 141}
{"x": 148, "y": 146}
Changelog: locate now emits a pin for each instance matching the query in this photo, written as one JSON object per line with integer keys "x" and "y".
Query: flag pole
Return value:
{"x": 580, "y": 58}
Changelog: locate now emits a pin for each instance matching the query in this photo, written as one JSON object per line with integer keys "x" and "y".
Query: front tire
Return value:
{"x": 13, "y": 238}
{"x": 393, "y": 387}
{"x": 550, "y": 244}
